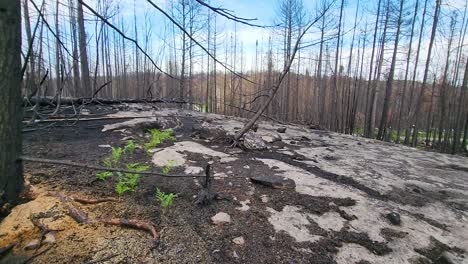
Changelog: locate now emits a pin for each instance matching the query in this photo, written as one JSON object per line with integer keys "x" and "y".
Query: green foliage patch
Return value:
{"x": 113, "y": 160}
{"x": 157, "y": 136}
{"x": 165, "y": 199}
{"x": 130, "y": 147}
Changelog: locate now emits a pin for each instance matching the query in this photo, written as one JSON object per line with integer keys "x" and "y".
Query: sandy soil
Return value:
{"x": 336, "y": 213}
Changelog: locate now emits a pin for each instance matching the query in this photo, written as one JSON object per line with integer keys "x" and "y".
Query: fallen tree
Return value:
{"x": 53, "y": 101}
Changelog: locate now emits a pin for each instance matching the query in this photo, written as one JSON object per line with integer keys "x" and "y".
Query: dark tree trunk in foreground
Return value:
{"x": 11, "y": 179}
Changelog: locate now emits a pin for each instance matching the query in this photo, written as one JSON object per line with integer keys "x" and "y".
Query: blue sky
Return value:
{"x": 265, "y": 12}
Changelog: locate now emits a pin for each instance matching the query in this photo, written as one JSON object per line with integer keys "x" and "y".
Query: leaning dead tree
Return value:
{"x": 277, "y": 85}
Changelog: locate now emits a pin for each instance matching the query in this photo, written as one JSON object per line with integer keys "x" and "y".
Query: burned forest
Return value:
{"x": 208, "y": 131}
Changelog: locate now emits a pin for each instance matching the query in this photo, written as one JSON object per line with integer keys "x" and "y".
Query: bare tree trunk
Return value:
{"x": 461, "y": 106}
{"x": 274, "y": 90}
{"x": 375, "y": 89}
{"x": 207, "y": 92}
{"x": 465, "y": 135}
{"x": 139, "y": 90}
{"x": 31, "y": 78}
{"x": 86, "y": 89}
{"x": 413, "y": 82}
{"x": 405, "y": 82}
{"x": 349, "y": 107}
{"x": 321, "y": 88}
{"x": 443, "y": 88}
{"x": 184, "y": 54}
{"x": 369, "y": 81}
{"x": 389, "y": 87}
{"x": 334, "y": 113}
{"x": 419, "y": 104}
{"x": 11, "y": 178}
{"x": 215, "y": 76}
{"x": 225, "y": 80}
{"x": 428, "y": 123}
{"x": 58, "y": 82}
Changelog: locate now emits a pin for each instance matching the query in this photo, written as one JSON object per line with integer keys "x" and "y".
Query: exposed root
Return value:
{"x": 36, "y": 220}
{"x": 133, "y": 223}
{"x": 78, "y": 215}
{"x": 85, "y": 200}
{"x": 81, "y": 217}
{"x": 81, "y": 199}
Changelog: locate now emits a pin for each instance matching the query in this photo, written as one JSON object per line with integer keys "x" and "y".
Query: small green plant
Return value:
{"x": 103, "y": 175}
{"x": 170, "y": 164}
{"x": 129, "y": 181}
{"x": 130, "y": 147}
{"x": 122, "y": 187}
{"x": 165, "y": 199}
{"x": 157, "y": 136}
{"x": 137, "y": 167}
{"x": 113, "y": 160}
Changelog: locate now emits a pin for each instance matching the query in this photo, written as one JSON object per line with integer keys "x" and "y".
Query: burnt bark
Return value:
{"x": 11, "y": 179}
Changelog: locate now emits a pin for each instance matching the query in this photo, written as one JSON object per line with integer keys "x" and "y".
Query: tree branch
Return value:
{"x": 125, "y": 37}
{"x": 278, "y": 84}
{"x": 196, "y": 42}
{"x": 101, "y": 168}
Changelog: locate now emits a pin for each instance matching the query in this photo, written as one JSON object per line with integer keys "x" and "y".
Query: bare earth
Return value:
{"x": 337, "y": 213}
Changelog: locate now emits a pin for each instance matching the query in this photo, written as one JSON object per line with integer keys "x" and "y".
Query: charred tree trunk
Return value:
{"x": 86, "y": 89}
{"x": 460, "y": 111}
{"x": 419, "y": 105}
{"x": 11, "y": 179}
{"x": 405, "y": 82}
{"x": 369, "y": 82}
{"x": 389, "y": 86}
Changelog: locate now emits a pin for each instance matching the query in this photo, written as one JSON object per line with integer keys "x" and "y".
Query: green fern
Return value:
{"x": 122, "y": 188}
{"x": 157, "y": 136}
{"x": 129, "y": 181}
{"x": 165, "y": 199}
{"x": 113, "y": 160}
{"x": 137, "y": 167}
{"x": 130, "y": 147}
{"x": 104, "y": 175}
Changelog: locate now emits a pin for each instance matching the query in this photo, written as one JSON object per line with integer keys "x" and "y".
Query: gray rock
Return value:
{"x": 49, "y": 238}
{"x": 301, "y": 138}
{"x": 272, "y": 138}
{"x": 268, "y": 139}
{"x": 394, "y": 218}
{"x": 254, "y": 142}
{"x": 281, "y": 130}
{"x": 238, "y": 241}
{"x": 277, "y": 137}
{"x": 274, "y": 181}
{"x": 298, "y": 157}
{"x": 221, "y": 218}
{"x": 33, "y": 244}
